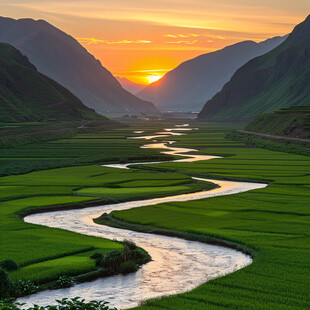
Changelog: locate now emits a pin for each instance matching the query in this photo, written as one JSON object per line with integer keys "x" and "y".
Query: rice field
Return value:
{"x": 44, "y": 254}
{"x": 273, "y": 222}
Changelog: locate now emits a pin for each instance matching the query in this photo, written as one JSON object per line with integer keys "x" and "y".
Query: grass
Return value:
{"x": 273, "y": 221}
{"x": 45, "y": 253}
{"x": 49, "y": 270}
{"x": 108, "y": 146}
{"x": 273, "y": 144}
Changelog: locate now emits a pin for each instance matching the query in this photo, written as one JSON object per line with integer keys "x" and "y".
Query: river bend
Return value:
{"x": 178, "y": 265}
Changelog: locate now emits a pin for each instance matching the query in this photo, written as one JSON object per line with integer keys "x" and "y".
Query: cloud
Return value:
{"x": 90, "y": 41}
{"x": 181, "y": 35}
{"x": 154, "y": 70}
{"x": 183, "y": 42}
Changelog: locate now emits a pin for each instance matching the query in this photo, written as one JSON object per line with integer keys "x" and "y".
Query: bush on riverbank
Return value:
{"x": 5, "y": 284}
{"x": 65, "y": 304}
{"x": 8, "y": 265}
{"x": 125, "y": 261}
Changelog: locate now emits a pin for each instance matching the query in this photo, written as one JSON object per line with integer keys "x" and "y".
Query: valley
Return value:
{"x": 154, "y": 155}
{"x": 224, "y": 222}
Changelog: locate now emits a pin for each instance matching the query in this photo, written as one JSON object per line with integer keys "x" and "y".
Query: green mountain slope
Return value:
{"x": 27, "y": 95}
{"x": 289, "y": 122}
{"x": 63, "y": 59}
{"x": 278, "y": 79}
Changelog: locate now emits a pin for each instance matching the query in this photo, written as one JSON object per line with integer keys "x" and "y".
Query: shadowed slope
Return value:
{"x": 27, "y": 95}
{"x": 273, "y": 81}
{"x": 187, "y": 87}
{"x": 60, "y": 57}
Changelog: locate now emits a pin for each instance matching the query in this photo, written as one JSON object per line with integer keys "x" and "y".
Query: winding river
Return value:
{"x": 178, "y": 265}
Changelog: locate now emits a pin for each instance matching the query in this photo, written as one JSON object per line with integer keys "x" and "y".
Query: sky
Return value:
{"x": 143, "y": 39}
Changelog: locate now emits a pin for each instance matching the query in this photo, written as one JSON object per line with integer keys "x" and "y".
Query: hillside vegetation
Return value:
{"x": 289, "y": 122}
{"x": 267, "y": 83}
{"x": 27, "y": 95}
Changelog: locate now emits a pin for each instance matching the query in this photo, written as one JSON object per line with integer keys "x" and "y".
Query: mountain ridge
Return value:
{"x": 129, "y": 85}
{"x": 276, "y": 80}
{"x": 27, "y": 95}
{"x": 62, "y": 58}
{"x": 189, "y": 85}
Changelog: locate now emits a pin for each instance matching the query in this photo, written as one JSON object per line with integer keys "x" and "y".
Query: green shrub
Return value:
{"x": 127, "y": 267}
{"x": 23, "y": 288}
{"x": 112, "y": 260}
{"x": 98, "y": 257}
{"x": 8, "y": 265}
{"x": 129, "y": 244}
{"x": 5, "y": 284}
{"x": 65, "y": 304}
{"x": 64, "y": 281}
{"x": 139, "y": 255}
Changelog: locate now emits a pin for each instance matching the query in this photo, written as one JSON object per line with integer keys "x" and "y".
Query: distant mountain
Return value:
{"x": 62, "y": 58}
{"x": 192, "y": 83}
{"x": 27, "y": 95}
{"x": 130, "y": 86}
{"x": 278, "y": 79}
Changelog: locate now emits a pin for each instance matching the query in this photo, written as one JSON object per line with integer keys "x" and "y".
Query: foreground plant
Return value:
{"x": 125, "y": 261}
{"x": 64, "y": 304}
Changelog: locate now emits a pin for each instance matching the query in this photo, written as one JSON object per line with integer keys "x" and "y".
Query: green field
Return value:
{"x": 109, "y": 146}
{"x": 44, "y": 254}
{"x": 274, "y": 222}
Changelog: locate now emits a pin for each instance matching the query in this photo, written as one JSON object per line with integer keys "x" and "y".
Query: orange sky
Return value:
{"x": 140, "y": 39}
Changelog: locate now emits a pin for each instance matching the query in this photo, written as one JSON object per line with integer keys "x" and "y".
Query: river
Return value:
{"x": 177, "y": 265}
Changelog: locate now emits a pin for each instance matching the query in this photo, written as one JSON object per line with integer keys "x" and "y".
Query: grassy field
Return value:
{"x": 108, "y": 146}
{"x": 44, "y": 254}
{"x": 274, "y": 222}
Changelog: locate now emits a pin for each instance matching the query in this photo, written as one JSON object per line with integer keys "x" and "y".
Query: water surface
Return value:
{"x": 178, "y": 265}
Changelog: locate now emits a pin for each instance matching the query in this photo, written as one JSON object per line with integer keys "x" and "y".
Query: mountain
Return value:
{"x": 289, "y": 122}
{"x": 278, "y": 79}
{"x": 27, "y": 95}
{"x": 130, "y": 86}
{"x": 187, "y": 87}
{"x": 60, "y": 57}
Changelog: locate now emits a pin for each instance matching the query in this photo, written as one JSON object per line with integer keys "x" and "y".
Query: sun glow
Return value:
{"x": 153, "y": 78}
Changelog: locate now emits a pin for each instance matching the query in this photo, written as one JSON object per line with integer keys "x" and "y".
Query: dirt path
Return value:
{"x": 274, "y": 137}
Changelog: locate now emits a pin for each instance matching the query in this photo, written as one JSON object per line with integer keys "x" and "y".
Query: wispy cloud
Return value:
{"x": 183, "y": 42}
{"x": 181, "y": 35}
{"x": 154, "y": 70}
{"x": 90, "y": 41}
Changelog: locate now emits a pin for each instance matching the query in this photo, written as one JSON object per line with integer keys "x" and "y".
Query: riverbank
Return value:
{"x": 181, "y": 281}
{"x": 273, "y": 221}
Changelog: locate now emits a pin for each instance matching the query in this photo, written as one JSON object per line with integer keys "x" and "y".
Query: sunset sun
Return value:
{"x": 153, "y": 78}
